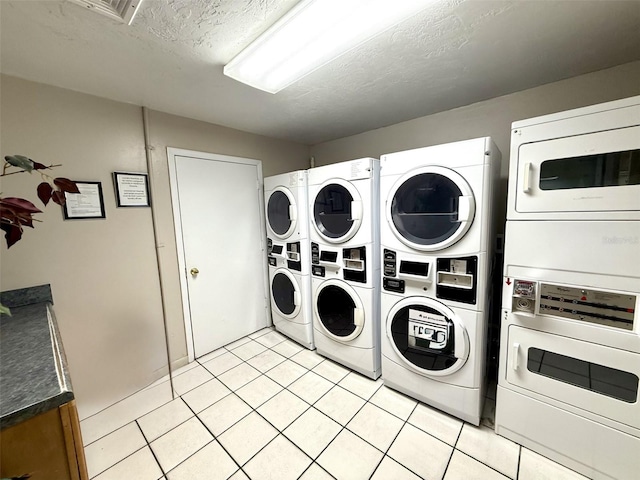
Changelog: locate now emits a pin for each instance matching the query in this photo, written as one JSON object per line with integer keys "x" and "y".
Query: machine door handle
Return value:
{"x": 526, "y": 178}
{"x": 356, "y": 210}
{"x": 194, "y": 271}
{"x": 516, "y": 351}
{"x": 358, "y": 317}
{"x": 465, "y": 212}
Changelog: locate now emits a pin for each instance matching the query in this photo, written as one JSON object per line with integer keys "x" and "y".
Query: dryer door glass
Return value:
{"x": 283, "y": 292}
{"x": 424, "y": 209}
{"x": 426, "y": 343}
{"x": 278, "y": 213}
{"x": 336, "y": 311}
{"x": 332, "y": 211}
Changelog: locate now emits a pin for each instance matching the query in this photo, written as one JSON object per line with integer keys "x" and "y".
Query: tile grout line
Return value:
{"x": 151, "y": 450}
{"x": 453, "y": 450}
{"x": 480, "y": 461}
{"x": 343, "y": 427}
{"x": 386, "y": 453}
{"x": 214, "y": 439}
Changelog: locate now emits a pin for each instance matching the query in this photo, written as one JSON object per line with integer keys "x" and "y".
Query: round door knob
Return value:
{"x": 194, "y": 271}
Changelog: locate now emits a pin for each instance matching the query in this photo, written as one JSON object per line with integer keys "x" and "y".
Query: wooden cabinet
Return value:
{"x": 47, "y": 446}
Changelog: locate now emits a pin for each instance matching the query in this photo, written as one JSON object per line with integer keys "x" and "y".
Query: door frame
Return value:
{"x": 172, "y": 153}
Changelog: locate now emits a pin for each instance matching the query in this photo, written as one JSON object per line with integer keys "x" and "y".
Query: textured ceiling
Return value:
{"x": 453, "y": 53}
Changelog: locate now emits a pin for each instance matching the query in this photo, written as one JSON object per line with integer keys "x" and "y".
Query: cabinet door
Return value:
{"x": 55, "y": 436}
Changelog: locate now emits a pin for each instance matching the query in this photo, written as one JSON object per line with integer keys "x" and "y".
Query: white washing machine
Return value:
{"x": 437, "y": 234}
{"x": 345, "y": 264}
{"x": 288, "y": 255}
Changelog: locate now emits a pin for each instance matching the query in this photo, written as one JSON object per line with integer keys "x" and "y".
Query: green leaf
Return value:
{"x": 20, "y": 161}
{"x": 4, "y": 310}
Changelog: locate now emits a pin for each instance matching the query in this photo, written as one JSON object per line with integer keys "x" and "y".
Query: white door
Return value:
{"x": 221, "y": 220}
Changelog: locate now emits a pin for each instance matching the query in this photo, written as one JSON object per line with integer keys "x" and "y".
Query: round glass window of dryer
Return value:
{"x": 281, "y": 213}
{"x": 431, "y": 208}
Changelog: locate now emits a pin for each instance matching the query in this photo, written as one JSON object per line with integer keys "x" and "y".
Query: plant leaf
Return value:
{"x": 12, "y": 233}
{"x": 58, "y": 197}
{"x": 20, "y": 161}
{"x": 19, "y": 205}
{"x": 39, "y": 166}
{"x": 66, "y": 185}
{"x": 44, "y": 192}
{"x": 4, "y": 310}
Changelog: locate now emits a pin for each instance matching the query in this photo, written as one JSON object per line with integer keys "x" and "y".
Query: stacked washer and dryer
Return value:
{"x": 345, "y": 263}
{"x": 569, "y": 369}
{"x": 436, "y": 240}
{"x": 288, "y": 255}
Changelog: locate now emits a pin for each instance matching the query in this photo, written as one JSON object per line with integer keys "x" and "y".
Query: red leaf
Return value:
{"x": 66, "y": 185}
{"x": 58, "y": 197}
{"x": 12, "y": 233}
{"x": 44, "y": 192}
{"x": 39, "y": 166}
{"x": 19, "y": 204}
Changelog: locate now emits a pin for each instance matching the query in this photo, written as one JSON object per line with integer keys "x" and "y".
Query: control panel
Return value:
{"x": 601, "y": 307}
{"x": 354, "y": 264}
{"x": 457, "y": 279}
{"x": 588, "y": 305}
{"x": 389, "y": 263}
{"x": 293, "y": 256}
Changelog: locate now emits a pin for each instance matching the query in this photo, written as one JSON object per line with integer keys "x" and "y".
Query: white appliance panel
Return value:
{"x": 589, "y": 376}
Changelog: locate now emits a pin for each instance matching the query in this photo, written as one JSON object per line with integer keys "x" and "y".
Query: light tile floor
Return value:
{"x": 264, "y": 408}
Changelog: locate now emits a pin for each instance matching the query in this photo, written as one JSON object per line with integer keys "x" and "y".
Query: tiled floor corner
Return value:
{"x": 265, "y": 408}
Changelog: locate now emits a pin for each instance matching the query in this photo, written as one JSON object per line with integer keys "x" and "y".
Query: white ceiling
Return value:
{"x": 454, "y": 53}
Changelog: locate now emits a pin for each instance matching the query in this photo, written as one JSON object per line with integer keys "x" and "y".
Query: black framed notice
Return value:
{"x": 89, "y": 203}
{"x": 132, "y": 189}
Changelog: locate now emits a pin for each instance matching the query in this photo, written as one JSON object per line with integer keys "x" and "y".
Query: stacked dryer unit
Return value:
{"x": 288, "y": 255}
{"x": 345, "y": 264}
{"x": 436, "y": 240}
{"x": 570, "y": 334}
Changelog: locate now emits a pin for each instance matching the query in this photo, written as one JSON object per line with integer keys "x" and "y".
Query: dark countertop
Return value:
{"x": 33, "y": 369}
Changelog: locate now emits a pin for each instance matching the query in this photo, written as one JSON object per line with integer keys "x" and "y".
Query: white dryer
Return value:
{"x": 569, "y": 370}
{"x": 436, "y": 240}
{"x": 288, "y": 255}
{"x": 345, "y": 265}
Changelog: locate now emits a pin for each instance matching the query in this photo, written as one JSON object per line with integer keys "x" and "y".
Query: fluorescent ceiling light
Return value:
{"x": 311, "y": 35}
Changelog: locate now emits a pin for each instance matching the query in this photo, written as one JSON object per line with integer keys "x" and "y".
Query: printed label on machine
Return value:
{"x": 594, "y": 306}
{"x": 427, "y": 330}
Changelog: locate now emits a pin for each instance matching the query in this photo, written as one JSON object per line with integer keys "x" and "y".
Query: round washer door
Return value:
{"x": 339, "y": 309}
{"x": 428, "y": 336}
{"x": 282, "y": 212}
{"x": 430, "y": 208}
{"x": 337, "y": 211}
{"x": 285, "y": 292}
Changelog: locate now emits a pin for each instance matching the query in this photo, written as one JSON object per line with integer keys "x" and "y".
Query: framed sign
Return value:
{"x": 89, "y": 203}
{"x": 132, "y": 189}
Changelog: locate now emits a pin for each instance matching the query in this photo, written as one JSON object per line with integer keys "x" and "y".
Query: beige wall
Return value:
{"x": 104, "y": 273}
{"x": 171, "y": 131}
{"x": 489, "y": 118}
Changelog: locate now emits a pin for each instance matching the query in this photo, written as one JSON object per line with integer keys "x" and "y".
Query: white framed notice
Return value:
{"x": 89, "y": 203}
{"x": 132, "y": 189}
